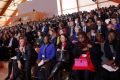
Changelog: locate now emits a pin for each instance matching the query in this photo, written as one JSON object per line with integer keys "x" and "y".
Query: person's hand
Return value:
{"x": 110, "y": 62}
{"x": 74, "y": 41}
{"x": 89, "y": 46}
{"x": 45, "y": 61}
{"x": 17, "y": 50}
{"x": 58, "y": 50}
{"x": 19, "y": 65}
{"x": 114, "y": 66}
{"x": 85, "y": 49}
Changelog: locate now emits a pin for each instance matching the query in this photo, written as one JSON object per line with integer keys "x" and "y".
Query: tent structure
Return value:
{"x": 8, "y": 8}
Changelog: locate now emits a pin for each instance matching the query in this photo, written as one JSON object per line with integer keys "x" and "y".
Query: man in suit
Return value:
{"x": 71, "y": 30}
{"x": 101, "y": 29}
{"x": 26, "y": 57}
{"x": 44, "y": 28}
{"x": 13, "y": 43}
{"x": 84, "y": 27}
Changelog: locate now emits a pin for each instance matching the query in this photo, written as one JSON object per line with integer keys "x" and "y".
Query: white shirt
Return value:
{"x": 84, "y": 29}
{"x": 43, "y": 28}
{"x": 10, "y": 43}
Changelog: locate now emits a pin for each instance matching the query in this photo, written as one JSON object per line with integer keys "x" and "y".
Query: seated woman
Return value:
{"x": 53, "y": 36}
{"x": 84, "y": 45}
{"x": 62, "y": 58}
{"x": 26, "y": 57}
{"x": 111, "y": 62}
{"x": 45, "y": 59}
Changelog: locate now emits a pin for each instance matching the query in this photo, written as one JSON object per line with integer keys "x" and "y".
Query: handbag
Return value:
{"x": 83, "y": 63}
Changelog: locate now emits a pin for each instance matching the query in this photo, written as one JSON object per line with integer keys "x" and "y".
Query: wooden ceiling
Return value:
{"x": 8, "y": 8}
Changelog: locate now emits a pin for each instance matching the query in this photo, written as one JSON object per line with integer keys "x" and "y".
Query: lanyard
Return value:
{"x": 44, "y": 52}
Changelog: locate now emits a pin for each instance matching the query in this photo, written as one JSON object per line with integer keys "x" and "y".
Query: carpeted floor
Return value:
{"x": 3, "y": 70}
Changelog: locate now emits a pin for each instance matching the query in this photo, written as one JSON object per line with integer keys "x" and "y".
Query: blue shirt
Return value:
{"x": 118, "y": 30}
{"x": 48, "y": 51}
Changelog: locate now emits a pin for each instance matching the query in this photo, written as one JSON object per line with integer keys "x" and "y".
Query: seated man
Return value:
{"x": 26, "y": 57}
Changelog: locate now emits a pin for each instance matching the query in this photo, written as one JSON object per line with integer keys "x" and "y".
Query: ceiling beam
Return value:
{"x": 9, "y": 20}
{"x": 61, "y": 7}
{"x": 14, "y": 14}
{"x": 77, "y": 2}
{"x": 5, "y": 8}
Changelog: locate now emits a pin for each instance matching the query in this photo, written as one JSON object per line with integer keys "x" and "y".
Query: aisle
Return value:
{"x": 3, "y": 70}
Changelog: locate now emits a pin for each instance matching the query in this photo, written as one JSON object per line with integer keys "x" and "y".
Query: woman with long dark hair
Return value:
{"x": 62, "y": 58}
{"x": 111, "y": 63}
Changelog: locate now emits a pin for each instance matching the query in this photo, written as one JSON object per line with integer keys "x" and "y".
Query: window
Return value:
{"x": 29, "y": 0}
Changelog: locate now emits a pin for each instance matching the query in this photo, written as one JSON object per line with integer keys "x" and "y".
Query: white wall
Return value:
{"x": 70, "y": 6}
{"x": 46, "y": 6}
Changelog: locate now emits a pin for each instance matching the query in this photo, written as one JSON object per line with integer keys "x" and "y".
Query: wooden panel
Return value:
{"x": 117, "y": 1}
{"x": 5, "y": 8}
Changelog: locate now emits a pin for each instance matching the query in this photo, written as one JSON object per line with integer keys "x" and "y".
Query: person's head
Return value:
{"x": 82, "y": 37}
{"x": 22, "y": 41}
{"x": 93, "y": 30}
{"x": 52, "y": 32}
{"x": 83, "y": 23}
{"x": 113, "y": 21}
{"x": 77, "y": 29}
{"x": 63, "y": 38}
{"x": 39, "y": 33}
{"x": 112, "y": 36}
{"x": 99, "y": 23}
{"x": 76, "y": 20}
{"x": 61, "y": 25}
{"x": 43, "y": 23}
{"x": 61, "y": 31}
{"x": 11, "y": 35}
{"x": 71, "y": 24}
{"x": 46, "y": 39}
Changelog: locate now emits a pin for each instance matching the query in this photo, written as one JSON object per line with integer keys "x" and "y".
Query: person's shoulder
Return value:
{"x": 29, "y": 46}
{"x": 51, "y": 44}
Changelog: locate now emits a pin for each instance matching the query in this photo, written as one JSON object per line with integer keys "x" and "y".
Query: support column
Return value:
{"x": 97, "y": 2}
{"x": 77, "y": 2}
{"x": 61, "y": 8}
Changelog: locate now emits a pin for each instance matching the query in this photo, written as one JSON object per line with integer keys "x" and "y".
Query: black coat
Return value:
{"x": 108, "y": 53}
{"x": 103, "y": 31}
{"x": 30, "y": 54}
